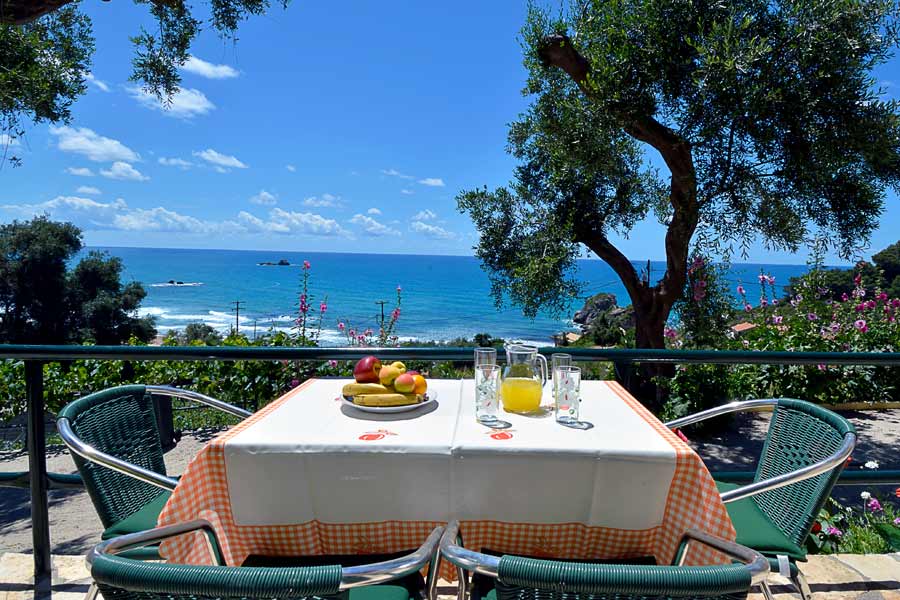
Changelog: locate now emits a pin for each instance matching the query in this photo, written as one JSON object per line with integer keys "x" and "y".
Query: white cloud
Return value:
{"x": 432, "y": 181}
{"x": 200, "y": 67}
{"x": 186, "y": 103}
{"x": 223, "y": 161}
{"x": 84, "y": 141}
{"x": 163, "y": 219}
{"x": 432, "y": 231}
{"x": 175, "y": 162}
{"x": 407, "y": 192}
{"x": 8, "y": 141}
{"x": 373, "y": 227}
{"x": 373, "y": 211}
{"x": 80, "y": 171}
{"x": 265, "y": 198}
{"x": 290, "y": 168}
{"x": 425, "y": 215}
{"x": 323, "y": 201}
{"x": 101, "y": 85}
{"x": 289, "y": 222}
{"x": 396, "y": 173}
{"x": 124, "y": 171}
{"x": 81, "y": 211}
{"x": 88, "y": 189}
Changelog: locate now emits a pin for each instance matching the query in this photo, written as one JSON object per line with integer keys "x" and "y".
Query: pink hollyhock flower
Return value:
{"x": 323, "y": 307}
{"x": 740, "y": 290}
{"x": 670, "y": 333}
{"x": 874, "y": 505}
{"x": 762, "y": 278}
{"x": 821, "y": 367}
{"x": 341, "y": 325}
{"x": 861, "y": 325}
{"x": 812, "y": 316}
{"x": 332, "y": 363}
{"x": 352, "y": 333}
{"x": 396, "y": 314}
{"x": 306, "y": 265}
{"x": 748, "y": 308}
{"x": 777, "y": 319}
{"x": 882, "y": 296}
{"x": 763, "y": 302}
{"x": 399, "y": 289}
{"x": 895, "y": 302}
{"x": 844, "y": 297}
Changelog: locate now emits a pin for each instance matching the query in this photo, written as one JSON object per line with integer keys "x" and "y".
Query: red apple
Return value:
{"x": 366, "y": 370}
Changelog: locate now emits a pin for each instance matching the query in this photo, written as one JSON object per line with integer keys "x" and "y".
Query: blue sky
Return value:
{"x": 322, "y": 129}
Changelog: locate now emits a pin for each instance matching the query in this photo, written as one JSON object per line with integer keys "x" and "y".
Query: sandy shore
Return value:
{"x": 74, "y": 525}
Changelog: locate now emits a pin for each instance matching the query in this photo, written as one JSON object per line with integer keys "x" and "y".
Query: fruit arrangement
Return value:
{"x": 379, "y": 384}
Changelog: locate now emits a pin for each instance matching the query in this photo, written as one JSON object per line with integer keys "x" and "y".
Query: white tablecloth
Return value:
{"x": 312, "y": 459}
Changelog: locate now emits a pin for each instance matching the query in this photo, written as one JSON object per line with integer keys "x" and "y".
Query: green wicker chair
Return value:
{"x": 120, "y": 578}
{"x": 517, "y": 578}
{"x": 804, "y": 453}
{"x": 115, "y": 443}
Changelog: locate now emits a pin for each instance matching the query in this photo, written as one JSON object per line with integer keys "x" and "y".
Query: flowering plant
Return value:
{"x": 308, "y": 325}
{"x": 386, "y": 326}
{"x": 871, "y": 527}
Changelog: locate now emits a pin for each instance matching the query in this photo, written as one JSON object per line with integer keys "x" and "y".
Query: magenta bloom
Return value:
{"x": 332, "y": 363}
{"x": 874, "y": 505}
{"x": 670, "y": 333}
{"x": 294, "y": 383}
{"x": 341, "y": 325}
{"x": 306, "y": 265}
{"x": 861, "y": 325}
{"x": 762, "y": 278}
{"x": 897, "y": 521}
{"x": 740, "y": 290}
{"x": 857, "y": 279}
{"x": 821, "y": 367}
{"x": 882, "y": 296}
{"x": 396, "y": 314}
{"x": 323, "y": 307}
{"x": 748, "y": 308}
{"x": 895, "y": 302}
{"x": 844, "y": 297}
{"x": 812, "y": 316}
{"x": 834, "y": 531}
{"x": 777, "y": 319}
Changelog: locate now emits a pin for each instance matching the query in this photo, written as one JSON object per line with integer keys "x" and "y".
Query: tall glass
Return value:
{"x": 485, "y": 356}
{"x": 567, "y": 394}
{"x": 556, "y": 361}
{"x": 487, "y": 393}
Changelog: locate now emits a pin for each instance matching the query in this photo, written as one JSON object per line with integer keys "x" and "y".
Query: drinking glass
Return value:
{"x": 485, "y": 356}
{"x": 567, "y": 394}
{"x": 487, "y": 393}
{"x": 556, "y": 361}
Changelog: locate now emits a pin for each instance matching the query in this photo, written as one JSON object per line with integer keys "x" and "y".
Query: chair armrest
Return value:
{"x": 140, "y": 539}
{"x": 760, "y": 405}
{"x": 88, "y": 452}
{"x": 838, "y": 458}
{"x": 757, "y": 564}
{"x": 464, "y": 559}
{"x": 166, "y": 390}
{"x": 389, "y": 570}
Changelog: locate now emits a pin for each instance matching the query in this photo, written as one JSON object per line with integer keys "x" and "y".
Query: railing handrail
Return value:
{"x": 453, "y": 353}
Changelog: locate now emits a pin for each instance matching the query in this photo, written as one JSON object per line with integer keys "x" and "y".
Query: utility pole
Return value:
{"x": 237, "y": 315}
{"x": 382, "y": 303}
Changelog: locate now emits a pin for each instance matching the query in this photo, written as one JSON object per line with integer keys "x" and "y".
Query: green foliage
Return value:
{"x": 42, "y": 67}
{"x": 200, "y": 332}
{"x": 44, "y": 58}
{"x": 871, "y": 528}
{"x": 43, "y": 302}
{"x": 767, "y": 115}
{"x": 705, "y": 311}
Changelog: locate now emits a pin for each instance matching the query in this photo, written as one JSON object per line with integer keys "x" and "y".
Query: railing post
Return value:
{"x": 37, "y": 466}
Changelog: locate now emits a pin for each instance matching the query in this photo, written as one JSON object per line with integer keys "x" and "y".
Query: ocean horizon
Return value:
{"x": 443, "y": 296}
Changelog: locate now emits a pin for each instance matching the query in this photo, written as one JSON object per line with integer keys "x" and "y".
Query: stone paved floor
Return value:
{"x": 837, "y": 577}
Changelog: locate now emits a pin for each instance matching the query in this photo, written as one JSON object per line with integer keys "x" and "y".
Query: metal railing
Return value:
{"x": 39, "y": 481}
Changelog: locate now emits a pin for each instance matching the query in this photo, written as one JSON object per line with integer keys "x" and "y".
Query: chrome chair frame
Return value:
{"x": 485, "y": 564}
{"x": 351, "y": 577}
{"x": 88, "y": 452}
{"x": 751, "y": 489}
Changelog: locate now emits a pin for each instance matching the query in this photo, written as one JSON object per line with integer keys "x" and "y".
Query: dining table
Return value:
{"x": 310, "y": 474}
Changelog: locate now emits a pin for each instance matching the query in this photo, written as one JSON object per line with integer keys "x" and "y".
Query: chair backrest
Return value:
{"x": 800, "y": 434}
{"x": 121, "y": 578}
{"x": 120, "y": 421}
{"x": 533, "y": 579}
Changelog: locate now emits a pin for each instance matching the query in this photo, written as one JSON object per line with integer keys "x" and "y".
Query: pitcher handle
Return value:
{"x": 544, "y": 370}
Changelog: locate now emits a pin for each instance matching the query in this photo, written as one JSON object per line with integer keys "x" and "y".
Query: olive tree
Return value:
{"x": 765, "y": 116}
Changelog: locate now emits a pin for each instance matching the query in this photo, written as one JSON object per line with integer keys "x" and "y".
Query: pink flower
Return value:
{"x": 882, "y": 296}
{"x": 874, "y": 505}
{"x": 670, "y": 333}
{"x": 341, "y": 325}
{"x": 740, "y": 290}
{"x": 774, "y": 301}
{"x": 821, "y": 367}
{"x": 832, "y": 530}
{"x": 777, "y": 319}
{"x": 897, "y": 521}
{"x": 396, "y": 314}
{"x": 747, "y": 307}
{"x": 895, "y": 302}
{"x": 860, "y": 307}
{"x": 771, "y": 280}
{"x": 844, "y": 297}
{"x": 857, "y": 279}
{"x": 367, "y": 332}
{"x": 399, "y": 289}
{"x": 323, "y": 307}
{"x": 332, "y": 363}
{"x": 812, "y": 316}
{"x": 762, "y": 278}
{"x": 835, "y": 327}
{"x": 361, "y": 338}
{"x": 763, "y": 302}
{"x": 294, "y": 383}
{"x": 352, "y": 333}
{"x": 306, "y": 265}
{"x": 861, "y": 325}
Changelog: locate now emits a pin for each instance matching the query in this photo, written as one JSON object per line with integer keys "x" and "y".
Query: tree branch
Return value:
{"x": 22, "y": 12}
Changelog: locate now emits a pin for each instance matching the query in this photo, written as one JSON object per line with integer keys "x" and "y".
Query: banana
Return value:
{"x": 355, "y": 389}
{"x": 386, "y": 399}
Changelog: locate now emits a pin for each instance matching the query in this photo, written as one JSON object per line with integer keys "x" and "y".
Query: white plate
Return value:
{"x": 430, "y": 397}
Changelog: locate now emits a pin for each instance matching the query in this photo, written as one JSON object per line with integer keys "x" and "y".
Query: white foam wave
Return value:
{"x": 177, "y": 284}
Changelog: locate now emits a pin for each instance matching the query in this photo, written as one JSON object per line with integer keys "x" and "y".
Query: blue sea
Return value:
{"x": 443, "y": 296}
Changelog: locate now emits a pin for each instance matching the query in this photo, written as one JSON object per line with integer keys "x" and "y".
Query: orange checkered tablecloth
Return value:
{"x": 692, "y": 501}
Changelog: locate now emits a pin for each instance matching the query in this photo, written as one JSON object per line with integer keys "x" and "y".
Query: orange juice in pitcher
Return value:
{"x": 523, "y": 379}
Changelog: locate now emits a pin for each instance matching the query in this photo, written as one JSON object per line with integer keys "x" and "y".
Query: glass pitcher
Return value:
{"x": 523, "y": 379}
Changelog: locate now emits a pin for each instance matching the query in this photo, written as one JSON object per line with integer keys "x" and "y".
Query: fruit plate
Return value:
{"x": 430, "y": 398}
